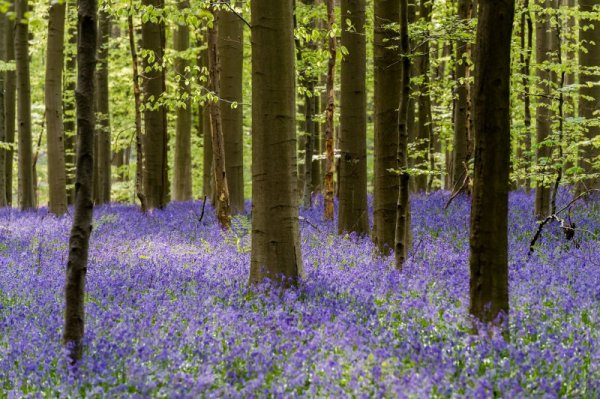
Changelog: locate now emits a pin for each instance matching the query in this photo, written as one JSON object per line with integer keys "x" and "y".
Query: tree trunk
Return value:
{"x": 221, "y": 189}
{"x": 329, "y": 114}
{"x": 489, "y": 212}
{"x": 26, "y": 185}
{"x": 82, "y": 220}
{"x": 9, "y": 108}
{"x": 524, "y": 148}
{"x": 546, "y": 47}
{"x": 353, "y": 210}
{"x": 156, "y": 183}
{"x": 589, "y": 96}
{"x": 401, "y": 240}
{"x": 182, "y": 172}
{"x": 207, "y": 170}
{"x": 68, "y": 94}
{"x": 276, "y": 251}
{"x": 137, "y": 94}
{"x": 103, "y": 155}
{"x": 231, "y": 56}
{"x": 57, "y": 193}
{"x": 3, "y": 201}
{"x": 462, "y": 134}
{"x": 388, "y": 78}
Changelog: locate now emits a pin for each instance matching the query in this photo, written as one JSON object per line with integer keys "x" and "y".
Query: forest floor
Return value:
{"x": 170, "y": 314}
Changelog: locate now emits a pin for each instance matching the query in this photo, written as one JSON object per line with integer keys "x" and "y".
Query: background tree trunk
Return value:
{"x": 57, "y": 201}
{"x": 329, "y": 114}
{"x": 26, "y": 185}
{"x": 388, "y": 79}
{"x": 589, "y": 58}
{"x": 545, "y": 50}
{"x": 207, "y": 174}
{"x": 69, "y": 79}
{"x": 353, "y": 211}
{"x": 489, "y": 212}
{"x": 182, "y": 171}
{"x": 276, "y": 248}
{"x": 3, "y": 201}
{"x": 84, "y": 206}
{"x": 231, "y": 57}
{"x": 9, "y": 107}
{"x": 102, "y": 183}
{"x": 156, "y": 183}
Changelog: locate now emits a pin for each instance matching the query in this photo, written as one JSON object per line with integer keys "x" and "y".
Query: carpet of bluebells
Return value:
{"x": 170, "y": 314}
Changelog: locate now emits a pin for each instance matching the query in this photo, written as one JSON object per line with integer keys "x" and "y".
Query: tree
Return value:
{"x": 3, "y": 23}
{"x": 57, "y": 201}
{"x": 26, "y": 185}
{"x": 402, "y": 236}
{"x": 182, "y": 170}
{"x": 9, "y": 108}
{"x": 231, "y": 57}
{"x": 589, "y": 92}
{"x": 276, "y": 248}
{"x": 329, "y": 113}
{"x": 156, "y": 183}
{"x": 489, "y": 213}
{"x": 545, "y": 50}
{"x": 221, "y": 189}
{"x": 84, "y": 206}
{"x": 387, "y": 73}
{"x": 102, "y": 166}
{"x": 69, "y": 81}
{"x": 353, "y": 210}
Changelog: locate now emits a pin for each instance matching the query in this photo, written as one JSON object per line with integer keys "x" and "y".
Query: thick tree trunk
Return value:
{"x": 489, "y": 212}
{"x": 68, "y": 94}
{"x": 137, "y": 95}
{"x": 329, "y": 114}
{"x": 545, "y": 52}
{"x": 402, "y": 233}
{"x": 231, "y": 56}
{"x": 82, "y": 220}
{"x": 388, "y": 78}
{"x": 462, "y": 134}
{"x": 589, "y": 95}
{"x": 221, "y": 189}
{"x": 353, "y": 210}
{"x": 57, "y": 193}
{"x": 276, "y": 251}
{"x": 3, "y": 201}
{"x": 102, "y": 175}
{"x": 26, "y": 185}
{"x": 182, "y": 172}
{"x": 156, "y": 183}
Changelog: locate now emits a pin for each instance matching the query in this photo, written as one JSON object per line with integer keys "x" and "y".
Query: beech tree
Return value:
{"x": 489, "y": 210}
{"x": 84, "y": 206}
{"x": 3, "y": 200}
{"x": 276, "y": 251}
{"x": 328, "y": 185}
{"x": 353, "y": 210}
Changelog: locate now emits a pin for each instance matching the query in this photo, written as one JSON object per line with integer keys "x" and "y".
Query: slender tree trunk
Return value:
{"x": 462, "y": 134}
{"x": 82, "y": 220}
{"x": 182, "y": 172}
{"x": 3, "y": 200}
{"x": 276, "y": 251}
{"x": 57, "y": 202}
{"x": 137, "y": 95}
{"x": 524, "y": 148}
{"x": 207, "y": 171}
{"x": 401, "y": 243}
{"x": 489, "y": 212}
{"x": 221, "y": 189}
{"x": 26, "y": 185}
{"x": 69, "y": 79}
{"x": 546, "y": 47}
{"x": 102, "y": 184}
{"x": 388, "y": 79}
{"x": 9, "y": 108}
{"x": 589, "y": 95}
{"x": 329, "y": 113}
{"x": 156, "y": 183}
{"x": 353, "y": 211}
{"x": 231, "y": 56}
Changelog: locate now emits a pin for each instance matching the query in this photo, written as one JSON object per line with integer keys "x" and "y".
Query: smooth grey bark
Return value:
{"x": 3, "y": 200}
{"x": 328, "y": 185}
{"x": 276, "y": 251}
{"x": 231, "y": 57}
{"x": 82, "y": 220}
{"x": 182, "y": 171}
{"x": 489, "y": 212}
{"x": 69, "y": 80}
{"x": 207, "y": 170}
{"x": 353, "y": 210}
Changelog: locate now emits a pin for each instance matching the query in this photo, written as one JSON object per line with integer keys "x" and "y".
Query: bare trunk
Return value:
{"x": 3, "y": 201}
{"x": 207, "y": 171}
{"x": 69, "y": 78}
{"x": 329, "y": 113}
{"x": 9, "y": 109}
{"x": 82, "y": 220}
